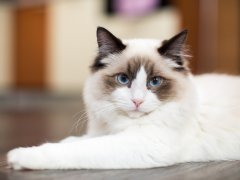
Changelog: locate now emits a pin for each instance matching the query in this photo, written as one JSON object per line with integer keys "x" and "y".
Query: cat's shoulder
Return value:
{"x": 217, "y": 83}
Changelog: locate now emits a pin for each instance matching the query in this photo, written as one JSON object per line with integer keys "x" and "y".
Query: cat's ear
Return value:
{"x": 174, "y": 47}
{"x": 108, "y": 43}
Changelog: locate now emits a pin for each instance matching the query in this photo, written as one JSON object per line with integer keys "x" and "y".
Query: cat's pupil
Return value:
{"x": 155, "y": 81}
{"x": 123, "y": 79}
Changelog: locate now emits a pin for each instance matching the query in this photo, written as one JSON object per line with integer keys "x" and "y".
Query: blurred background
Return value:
{"x": 46, "y": 47}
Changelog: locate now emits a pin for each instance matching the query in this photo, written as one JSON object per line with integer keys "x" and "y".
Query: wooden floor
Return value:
{"x": 190, "y": 171}
{"x": 30, "y": 119}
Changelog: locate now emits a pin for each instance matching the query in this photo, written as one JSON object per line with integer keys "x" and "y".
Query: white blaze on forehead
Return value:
{"x": 138, "y": 86}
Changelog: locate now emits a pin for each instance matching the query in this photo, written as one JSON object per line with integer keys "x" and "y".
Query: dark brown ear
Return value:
{"x": 173, "y": 47}
{"x": 107, "y": 42}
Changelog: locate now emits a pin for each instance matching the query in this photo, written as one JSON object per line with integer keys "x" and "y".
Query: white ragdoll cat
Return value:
{"x": 145, "y": 110}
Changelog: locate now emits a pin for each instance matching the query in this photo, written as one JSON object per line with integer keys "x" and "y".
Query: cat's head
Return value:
{"x": 138, "y": 76}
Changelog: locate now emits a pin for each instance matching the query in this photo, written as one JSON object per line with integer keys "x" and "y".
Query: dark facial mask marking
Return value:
{"x": 164, "y": 92}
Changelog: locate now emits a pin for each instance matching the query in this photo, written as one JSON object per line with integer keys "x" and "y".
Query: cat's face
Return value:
{"x": 139, "y": 76}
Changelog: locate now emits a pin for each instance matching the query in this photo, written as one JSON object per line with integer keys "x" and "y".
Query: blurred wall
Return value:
{"x": 72, "y": 40}
{"x": 6, "y": 36}
{"x": 67, "y": 28}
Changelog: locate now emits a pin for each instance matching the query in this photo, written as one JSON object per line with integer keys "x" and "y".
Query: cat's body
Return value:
{"x": 146, "y": 110}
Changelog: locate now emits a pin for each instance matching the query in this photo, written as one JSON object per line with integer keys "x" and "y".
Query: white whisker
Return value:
{"x": 83, "y": 118}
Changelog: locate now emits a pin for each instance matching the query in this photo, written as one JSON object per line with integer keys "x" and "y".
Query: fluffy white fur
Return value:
{"x": 203, "y": 124}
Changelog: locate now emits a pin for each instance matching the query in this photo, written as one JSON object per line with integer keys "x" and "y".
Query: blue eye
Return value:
{"x": 155, "y": 81}
{"x": 122, "y": 79}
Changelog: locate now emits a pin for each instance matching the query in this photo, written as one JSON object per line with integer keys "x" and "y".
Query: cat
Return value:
{"x": 145, "y": 110}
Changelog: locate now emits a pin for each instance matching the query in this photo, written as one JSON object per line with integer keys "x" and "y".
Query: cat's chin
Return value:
{"x": 135, "y": 114}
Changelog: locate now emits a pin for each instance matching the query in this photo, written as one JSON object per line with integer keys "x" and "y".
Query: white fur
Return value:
{"x": 203, "y": 124}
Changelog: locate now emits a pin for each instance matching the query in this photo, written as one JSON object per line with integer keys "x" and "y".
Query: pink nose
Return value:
{"x": 137, "y": 102}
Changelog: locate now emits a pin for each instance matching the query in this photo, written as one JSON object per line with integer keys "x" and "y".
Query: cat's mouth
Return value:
{"x": 137, "y": 113}
{"x": 133, "y": 113}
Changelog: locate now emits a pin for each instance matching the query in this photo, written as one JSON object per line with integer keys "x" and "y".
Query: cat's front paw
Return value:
{"x": 25, "y": 158}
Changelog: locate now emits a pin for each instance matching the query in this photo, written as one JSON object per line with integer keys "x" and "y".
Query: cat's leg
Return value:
{"x": 106, "y": 152}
